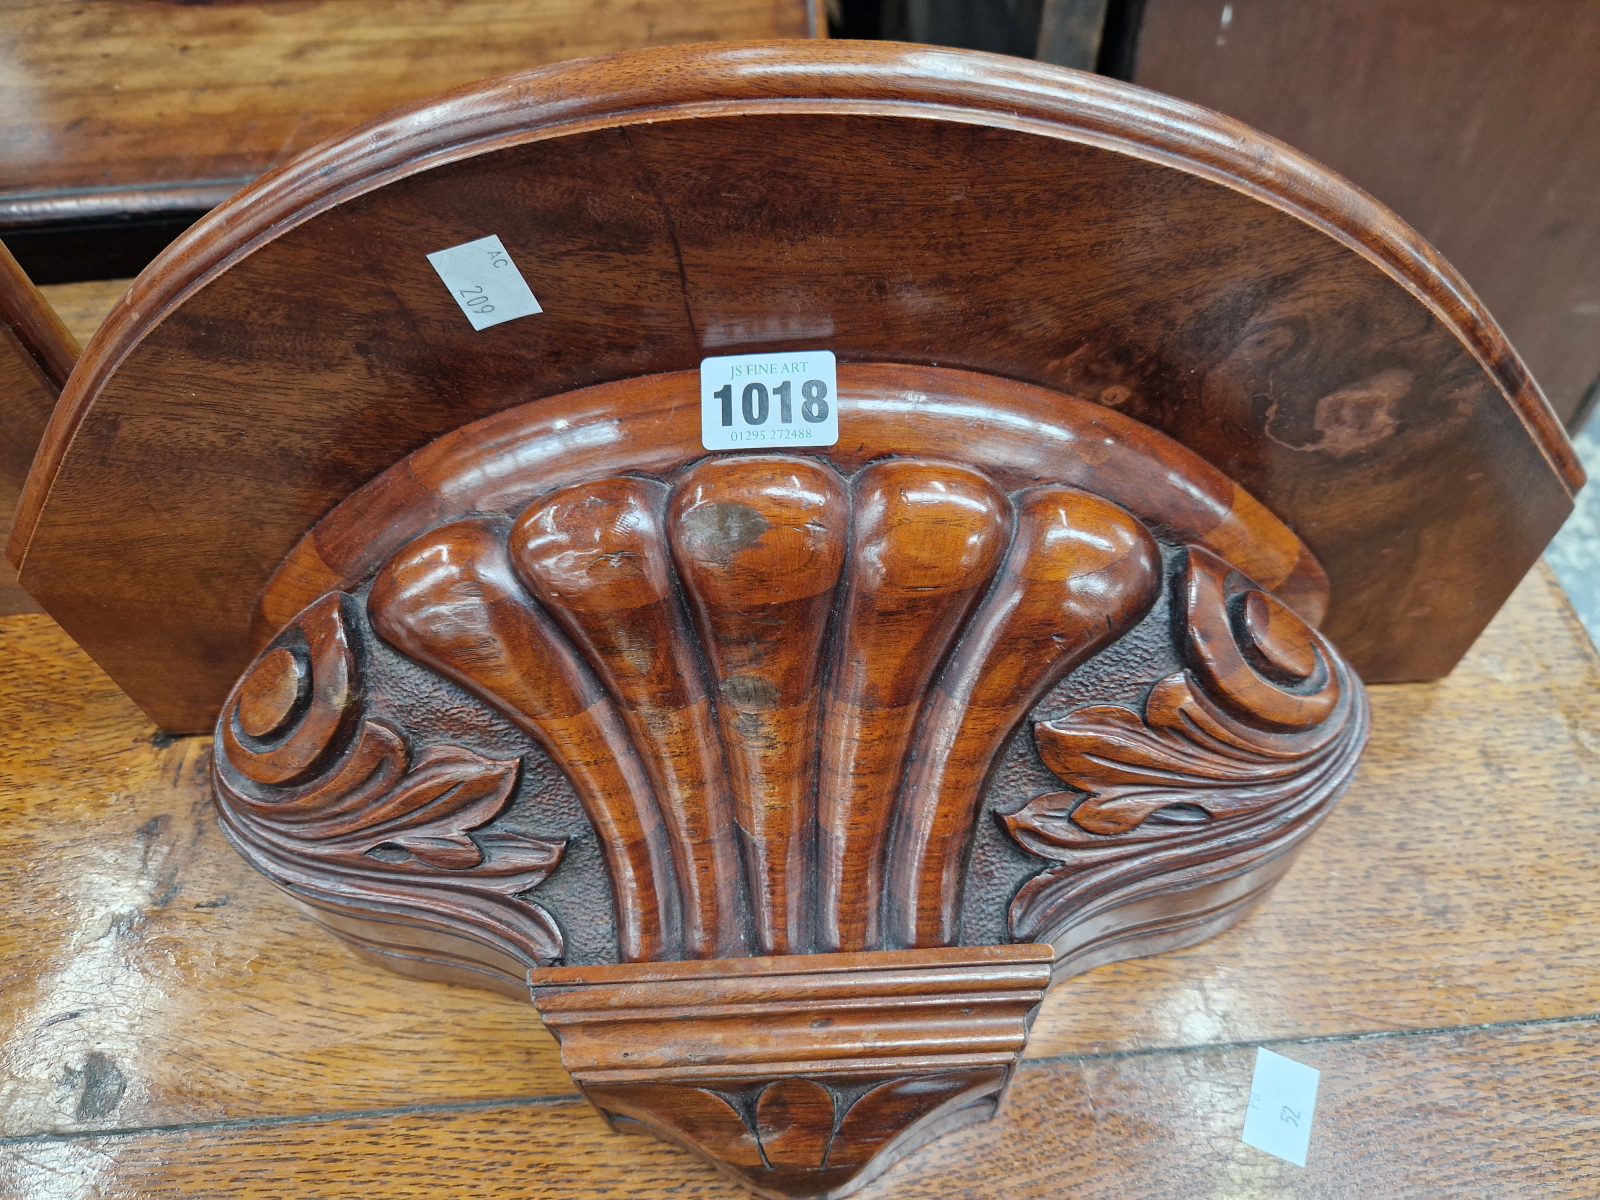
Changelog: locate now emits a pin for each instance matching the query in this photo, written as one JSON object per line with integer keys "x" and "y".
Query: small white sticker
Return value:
{"x": 748, "y": 401}
{"x": 485, "y": 282}
{"x": 1283, "y": 1096}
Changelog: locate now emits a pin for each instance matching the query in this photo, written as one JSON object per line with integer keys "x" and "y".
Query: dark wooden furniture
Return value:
{"x": 751, "y": 766}
{"x": 1279, "y": 324}
{"x": 1476, "y": 120}
{"x": 171, "y": 1027}
{"x": 828, "y": 793}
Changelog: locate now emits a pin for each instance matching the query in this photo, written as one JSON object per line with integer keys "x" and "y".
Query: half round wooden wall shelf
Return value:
{"x": 1155, "y": 439}
{"x": 889, "y": 203}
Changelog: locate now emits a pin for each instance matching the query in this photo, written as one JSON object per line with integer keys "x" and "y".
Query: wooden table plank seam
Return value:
{"x": 1422, "y": 1117}
{"x": 268, "y": 1122}
{"x": 1431, "y": 952}
{"x": 533, "y": 1101}
{"x": 1276, "y": 1043}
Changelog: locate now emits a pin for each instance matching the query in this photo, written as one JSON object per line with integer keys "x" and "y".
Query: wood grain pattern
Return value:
{"x": 83, "y": 306}
{"x": 382, "y": 839}
{"x": 1194, "y": 807}
{"x": 1281, "y": 325}
{"x": 36, "y": 355}
{"x": 116, "y": 106}
{"x": 1080, "y": 572}
{"x": 597, "y": 556}
{"x": 927, "y": 538}
{"x": 1221, "y": 658}
{"x": 450, "y": 600}
{"x": 1476, "y": 120}
{"x": 1415, "y": 900}
{"x": 760, "y": 544}
{"x": 1184, "y": 814}
{"x": 139, "y": 942}
{"x": 1469, "y": 1115}
{"x": 1016, "y": 434}
{"x": 637, "y": 1022}
{"x": 214, "y": 1000}
{"x": 34, "y": 323}
{"x": 798, "y": 1076}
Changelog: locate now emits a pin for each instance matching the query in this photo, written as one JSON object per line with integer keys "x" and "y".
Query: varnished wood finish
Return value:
{"x": 1478, "y": 1114}
{"x": 1079, "y": 574}
{"x": 846, "y": 1062}
{"x": 116, "y": 106}
{"x": 134, "y": 930}
{"x": 36, "y": 356}
{"x": 1184, "y": 813}
{"x": 596, "y": 556}
{"x": 1017, "y": 434}
{"x": 83, "y": 306}
{"x": 34, "y": 323}
{"x": 450, "y": 600}
{"x": 81, "y": 309}
{"x": 1478, "y": 121}
{"x": 1281, "y": 324}
{"x": 928, "y": 538}
{"x": 760, "y": 546}
{"x": 1220, "y": 657}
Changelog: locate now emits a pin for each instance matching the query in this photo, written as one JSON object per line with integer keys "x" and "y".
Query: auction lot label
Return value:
{"x": 755, "y": 401}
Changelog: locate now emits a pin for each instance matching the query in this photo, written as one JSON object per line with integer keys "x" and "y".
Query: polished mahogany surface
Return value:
{"x": 805, "y": 1075}
{"x": 888, "y": 203}
{"x": 596, "y": 723}
{"x": 780, "y": 686}
{"x": 1477, "y": 121}
{"x": 171, "y": 1028}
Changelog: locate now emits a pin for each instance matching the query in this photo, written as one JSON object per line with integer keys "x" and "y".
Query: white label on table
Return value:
{"x": 1283, "y": 1096}
{"x": 485, "y": 282}
{"x": 755, "y": 401}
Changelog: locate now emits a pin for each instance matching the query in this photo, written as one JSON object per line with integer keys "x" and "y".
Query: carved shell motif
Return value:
{"x": 778, "y": 694}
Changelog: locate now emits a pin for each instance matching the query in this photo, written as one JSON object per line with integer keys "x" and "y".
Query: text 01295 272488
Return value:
{"x": 755, "y": 400}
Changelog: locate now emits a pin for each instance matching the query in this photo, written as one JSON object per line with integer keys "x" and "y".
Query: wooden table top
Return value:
{"x": 170, "y": 1026}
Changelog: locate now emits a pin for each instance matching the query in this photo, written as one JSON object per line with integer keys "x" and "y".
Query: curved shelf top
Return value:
{"x": 888, "y": 202}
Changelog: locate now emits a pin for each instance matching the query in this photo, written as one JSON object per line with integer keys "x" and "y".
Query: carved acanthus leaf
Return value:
{"x": 1185, "y": 751}
{"x": 1245, "y": 749}
{"x": 385, "y": 827}
{"x": 376, "y": 805}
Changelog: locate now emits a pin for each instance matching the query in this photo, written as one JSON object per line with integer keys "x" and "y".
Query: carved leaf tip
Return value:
{"x": 1217, "y": 740}
{"x": 357, "y": 804}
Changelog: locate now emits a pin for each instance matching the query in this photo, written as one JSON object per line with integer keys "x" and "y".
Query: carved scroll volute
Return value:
{"x": 334, "y": 804}
{"x": 1240, "y": 754}
{"x": 597, "y": 556}
{"x": 926, "y": 541}
{"x": 314, "y": 691}
{"x": 759, "y": 543}
{"x": 780, "y": 698}
{"x": 1276, "y": 692}
{"x": 450, "y": 600}
{"x": 1080, "y": 573}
